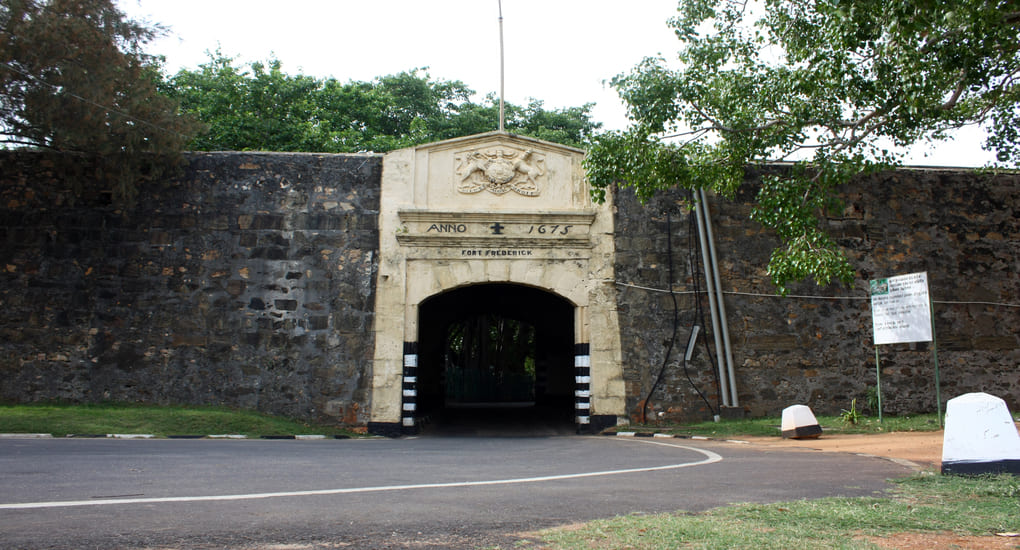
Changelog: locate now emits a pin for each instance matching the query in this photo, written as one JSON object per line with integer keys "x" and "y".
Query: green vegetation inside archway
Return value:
{"x": 490, "y": 358}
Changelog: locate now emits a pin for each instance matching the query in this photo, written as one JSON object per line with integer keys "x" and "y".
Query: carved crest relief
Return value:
{"x": 500, "y": 170}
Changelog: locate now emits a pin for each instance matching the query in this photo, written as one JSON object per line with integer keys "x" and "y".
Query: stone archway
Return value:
{"x": 465, "y": 220}
{"x": 496, "y": 357}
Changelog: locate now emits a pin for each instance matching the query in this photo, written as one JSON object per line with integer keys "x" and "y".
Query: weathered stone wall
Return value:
{"x": 654, "y": 322}
{"x": 961, "y": 227}
{"x": 248, "y": 281}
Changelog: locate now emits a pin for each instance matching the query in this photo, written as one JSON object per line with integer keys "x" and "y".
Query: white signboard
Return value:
{"x": 901, "y": 309}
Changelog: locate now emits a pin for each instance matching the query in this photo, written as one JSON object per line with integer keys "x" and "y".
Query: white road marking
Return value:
{"x": 710, "y": 458}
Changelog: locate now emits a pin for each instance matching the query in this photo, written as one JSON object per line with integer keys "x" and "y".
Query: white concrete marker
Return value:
{"x": 800, "y": 423}
{"x": 980, "y": 436}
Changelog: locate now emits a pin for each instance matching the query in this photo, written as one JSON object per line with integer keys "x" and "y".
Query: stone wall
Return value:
{"x": 247, "y": 281}
{"x": 959, "y": 226}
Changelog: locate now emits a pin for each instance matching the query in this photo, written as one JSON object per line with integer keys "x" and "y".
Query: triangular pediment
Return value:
{"x": 480, "y": 140}
{"x": 491, "y": 172}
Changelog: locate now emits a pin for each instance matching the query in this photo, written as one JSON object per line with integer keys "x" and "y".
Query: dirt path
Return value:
{"x": 924, "y": 449}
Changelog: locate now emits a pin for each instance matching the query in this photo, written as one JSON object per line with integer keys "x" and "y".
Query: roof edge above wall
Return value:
{"x": 281, "y": 153}
{"x": 497, "y": 134}
{"x": 905, "y": 167}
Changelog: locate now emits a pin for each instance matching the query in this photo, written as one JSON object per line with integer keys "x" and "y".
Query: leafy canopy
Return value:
{"x": 837, "y": 87}
{"x": 260, "y": 107}
{"x": 74, "y": 78}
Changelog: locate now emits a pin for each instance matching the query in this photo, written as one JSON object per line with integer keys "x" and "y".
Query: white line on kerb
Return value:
{"x": 710, "y": 458}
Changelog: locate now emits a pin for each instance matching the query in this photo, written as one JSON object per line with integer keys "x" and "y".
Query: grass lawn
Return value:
{"x": 162, "y": 421}
{"x": 936, "y": 507}
{"x": 926, "y": 511}
{"x": 771, "y": 426}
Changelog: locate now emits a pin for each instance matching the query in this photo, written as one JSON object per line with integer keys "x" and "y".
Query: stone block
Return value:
{"x": 318, "y": 322}
{"x": 980, "y": 436}
{"x": 798, "y": 422}
{"x": 285, "y": 305}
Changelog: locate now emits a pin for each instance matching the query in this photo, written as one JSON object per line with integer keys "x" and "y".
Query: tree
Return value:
{"x": 838, "y": 87}
{"x": 73, "y": 79}
{"x": 260, "y": 107}
{"x": 568, "y": 126}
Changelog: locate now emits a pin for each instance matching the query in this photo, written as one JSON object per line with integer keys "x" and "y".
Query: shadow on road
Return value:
{"x": 499, "y": 420}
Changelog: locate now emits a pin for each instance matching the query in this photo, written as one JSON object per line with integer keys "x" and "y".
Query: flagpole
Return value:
{"x": 502, "y": 116}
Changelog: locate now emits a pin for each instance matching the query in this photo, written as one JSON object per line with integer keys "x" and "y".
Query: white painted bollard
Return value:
{"x": 800, "y": 423}
{"x": 980, "y": 436}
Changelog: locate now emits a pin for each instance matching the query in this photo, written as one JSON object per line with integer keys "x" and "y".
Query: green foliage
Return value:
{"x": 872, "y": 399}
{"x": 827, "y": 84}
{"x": 73, "y": 78}
{"x": 490, "y": 357}
{"x": 260, "y": 107}
{"x": 851, "y": 415}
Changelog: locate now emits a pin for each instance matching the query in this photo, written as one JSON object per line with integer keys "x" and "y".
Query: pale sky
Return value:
{"x": 558, "y": 51}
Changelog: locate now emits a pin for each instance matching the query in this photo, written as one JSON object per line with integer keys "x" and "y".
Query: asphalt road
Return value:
{"x": 441, "y": 492}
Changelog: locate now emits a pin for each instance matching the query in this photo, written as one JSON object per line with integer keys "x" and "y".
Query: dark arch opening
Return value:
{"x": 496, "y": 359}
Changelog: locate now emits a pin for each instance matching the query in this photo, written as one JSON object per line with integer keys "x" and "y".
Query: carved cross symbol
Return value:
{"x": 497, "y": 228}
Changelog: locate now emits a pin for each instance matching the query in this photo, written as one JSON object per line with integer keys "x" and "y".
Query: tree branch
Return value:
{"x": 960, "y": 86}
{"x": 26, "y": 143}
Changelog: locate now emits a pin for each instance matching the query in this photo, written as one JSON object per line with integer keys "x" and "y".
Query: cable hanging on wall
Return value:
{"x": 694, "y": 258}
{"x": 675, "y": 325}
{"x": 695, "y": 328}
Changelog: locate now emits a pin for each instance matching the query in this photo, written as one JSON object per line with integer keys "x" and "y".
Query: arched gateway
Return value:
{"x": 494, "y": 285}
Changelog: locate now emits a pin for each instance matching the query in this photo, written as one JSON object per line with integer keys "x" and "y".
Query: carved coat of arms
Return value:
{"x": 500, "y": 171}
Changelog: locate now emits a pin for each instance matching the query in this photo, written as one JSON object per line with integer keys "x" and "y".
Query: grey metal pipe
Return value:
{"x": 731, "y": 375}
{"x": 710, "y": 283}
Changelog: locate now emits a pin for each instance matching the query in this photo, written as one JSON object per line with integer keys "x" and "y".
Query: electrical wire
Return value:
{"x": 650, "y": 289}
{"x": 676, "y": 320}
{"x": 694, "y": 258}
{"x": 692, "y": 251}
{"x": 809, "y": 297}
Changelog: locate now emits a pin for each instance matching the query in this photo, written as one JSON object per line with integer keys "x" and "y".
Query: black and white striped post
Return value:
{"x": 582, "y": 386}
{"x": 409, "y": 395}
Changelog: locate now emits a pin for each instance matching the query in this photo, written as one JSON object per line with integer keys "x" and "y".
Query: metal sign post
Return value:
{"x": 935, "y": 357}
{"x": 878, "y": 384}
{"x": 902, "y": 312}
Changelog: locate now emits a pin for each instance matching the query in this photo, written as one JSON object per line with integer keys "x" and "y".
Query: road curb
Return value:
{"x": 675, "y": 436}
